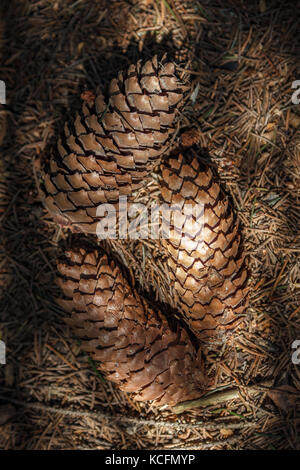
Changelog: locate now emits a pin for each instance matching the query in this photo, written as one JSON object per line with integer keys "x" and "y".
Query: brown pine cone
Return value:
{"x": 109, "y": 148}
{"x": 136, "y": 347}
{"x": 206, "y": 262}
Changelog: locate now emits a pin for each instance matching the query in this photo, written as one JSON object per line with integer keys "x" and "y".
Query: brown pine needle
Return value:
{"x": 278, "y": 277}
{"x": 58, "y": 354}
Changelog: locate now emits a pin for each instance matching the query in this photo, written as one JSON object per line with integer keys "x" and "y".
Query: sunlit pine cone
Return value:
{"x": 206, "y": 261}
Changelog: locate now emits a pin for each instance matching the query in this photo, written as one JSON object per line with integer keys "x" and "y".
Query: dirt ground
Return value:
{"x": 242, "y": 57}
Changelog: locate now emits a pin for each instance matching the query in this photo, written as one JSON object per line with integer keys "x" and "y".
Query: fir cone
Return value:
{"x": 206, "y": 261}
{"x": 135, "y": 346}
{"x": 109, "y": 148}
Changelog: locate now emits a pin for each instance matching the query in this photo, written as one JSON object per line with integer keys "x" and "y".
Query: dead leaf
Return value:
{"x": 294, "y": 120}
{"x": 284, "y": 397}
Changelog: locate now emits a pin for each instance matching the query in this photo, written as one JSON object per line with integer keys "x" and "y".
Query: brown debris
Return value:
{"x": 89, "y": 97}
{"x": 284, "y": 397}
{"x": 6, "y": 413}
{"x": 190, "y": 137}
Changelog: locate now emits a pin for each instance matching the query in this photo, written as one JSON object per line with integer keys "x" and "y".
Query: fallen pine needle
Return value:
{"x": 61, "y": 357}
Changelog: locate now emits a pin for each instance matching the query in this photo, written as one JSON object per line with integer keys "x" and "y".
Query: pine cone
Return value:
{"x": 136, "y": 347}
{"x": 112, "y": 144}
{"x": 206, "y": 263}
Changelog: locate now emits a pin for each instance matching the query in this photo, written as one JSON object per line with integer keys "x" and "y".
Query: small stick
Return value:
{"x": 213, "y": 399}
{"x": 205, "y": 401}
{"x": 61, "y": 357}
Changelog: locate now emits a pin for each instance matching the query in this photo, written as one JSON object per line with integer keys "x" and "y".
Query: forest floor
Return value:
{"x": 243, "y": 62}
